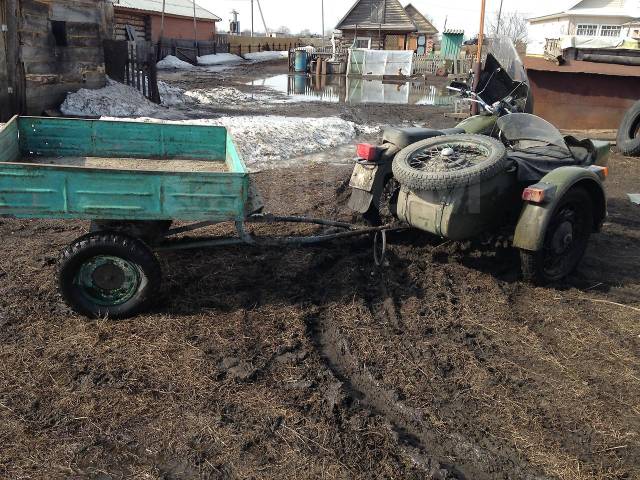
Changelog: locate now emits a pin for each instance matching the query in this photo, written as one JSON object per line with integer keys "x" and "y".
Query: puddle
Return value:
{"x": 341, "y": 89}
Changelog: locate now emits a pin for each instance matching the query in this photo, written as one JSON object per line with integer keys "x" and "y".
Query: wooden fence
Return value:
{"x": 134, "y": 64}
{"x": 430, "y": 65}
{"x": 189, "y": 50}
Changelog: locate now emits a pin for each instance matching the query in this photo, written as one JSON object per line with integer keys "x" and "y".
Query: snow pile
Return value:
{"x": 266, "y": 56}
{"x": 271, "y": 140}
{"x": 219, "y": 59}
{"x": 173, "y": 63}
{"x": 114, "y": 100}
{"x": 219, "y": 96}
{"x": 171, "y": 96}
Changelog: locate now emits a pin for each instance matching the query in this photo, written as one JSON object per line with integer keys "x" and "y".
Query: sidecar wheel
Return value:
{"x": 565, "y": 242}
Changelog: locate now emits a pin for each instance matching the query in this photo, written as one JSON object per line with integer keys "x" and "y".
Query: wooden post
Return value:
{"x": 17, "y": 94}
{"x": 478, "y": 66}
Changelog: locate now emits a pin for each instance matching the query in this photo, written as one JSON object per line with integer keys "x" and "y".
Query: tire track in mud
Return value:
{"x": 416, "y": 438}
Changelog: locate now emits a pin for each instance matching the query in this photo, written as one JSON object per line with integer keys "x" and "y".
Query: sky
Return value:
{"x": 306, "y": 14}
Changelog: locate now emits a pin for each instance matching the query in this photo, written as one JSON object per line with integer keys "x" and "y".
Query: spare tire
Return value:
{"x": 629, "y": 132}
{"x": 449, "y": 161}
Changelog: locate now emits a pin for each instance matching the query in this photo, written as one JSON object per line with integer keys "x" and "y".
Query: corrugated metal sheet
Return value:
{"x": 420, "y": 21}
{"x": 374, "y": 14}
{"x": 183, "y": 8}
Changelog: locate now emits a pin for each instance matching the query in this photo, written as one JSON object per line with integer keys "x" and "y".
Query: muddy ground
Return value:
{"x": 313, "y": 363}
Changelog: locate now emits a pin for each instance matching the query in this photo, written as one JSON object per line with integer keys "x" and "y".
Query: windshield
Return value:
{"x": 523, "y": 128}
{"x": 504, "y": 75}
{"x": 504, "y": 51}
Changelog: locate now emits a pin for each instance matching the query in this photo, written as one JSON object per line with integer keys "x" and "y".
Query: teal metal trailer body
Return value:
{"x": 29, "y": 189}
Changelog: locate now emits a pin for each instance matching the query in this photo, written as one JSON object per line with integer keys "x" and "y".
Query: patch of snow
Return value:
{"x": 266, "y": 56}
{"x": 219, "y": 96}
{"x": 171, "y": 96}
{"x": 269, "y": 141}
{"x": 219, "y": 59}
{"x": 173, "y": 63}
{"x": 114, "y": 100}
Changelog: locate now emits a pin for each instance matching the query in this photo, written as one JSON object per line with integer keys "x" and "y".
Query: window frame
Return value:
{"x": 611, "y": 28}
{"x": 588, "y": 28}
{"x": 367, "y": 39}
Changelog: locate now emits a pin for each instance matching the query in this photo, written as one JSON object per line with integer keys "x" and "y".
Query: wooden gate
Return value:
{"x": 134, "y": 64}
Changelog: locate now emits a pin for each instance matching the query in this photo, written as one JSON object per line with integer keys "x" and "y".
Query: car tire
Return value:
{"x": 629, "y": 132}
{"x": 406, "y": 165}
{"x": 108, "y": 274}
{"x": 541, "y": 268}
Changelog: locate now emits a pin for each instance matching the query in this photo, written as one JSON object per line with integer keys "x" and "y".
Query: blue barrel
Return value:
{"x": 300, "y": 64}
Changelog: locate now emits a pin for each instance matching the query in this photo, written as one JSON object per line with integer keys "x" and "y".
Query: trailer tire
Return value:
{"x": 108, "y": 274}
{"x": 629, "y": 132}
{"x": 457, "y": 172}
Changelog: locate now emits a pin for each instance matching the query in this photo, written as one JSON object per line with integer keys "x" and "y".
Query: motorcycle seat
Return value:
{"x": 403, "y": 137}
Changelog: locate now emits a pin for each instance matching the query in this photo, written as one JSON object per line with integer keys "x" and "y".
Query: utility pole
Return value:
{"x": 478, "y": 65}
{"x": 162, "y": 20}
{"x": 195, "y": 27}
{"x": 262, "y": 16}
{"x": 499, "y": 18}
{"x": 252, "y": 18}
{"x": 323, "y": 34}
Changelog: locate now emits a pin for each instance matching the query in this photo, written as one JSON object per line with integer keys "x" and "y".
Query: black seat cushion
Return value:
{"x": 403, "y": 137}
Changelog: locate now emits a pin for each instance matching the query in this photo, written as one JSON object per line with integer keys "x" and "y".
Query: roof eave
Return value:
{"x": 171, "y": 15}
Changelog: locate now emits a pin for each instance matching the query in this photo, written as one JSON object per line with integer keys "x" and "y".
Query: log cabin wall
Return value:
{"x": 139, "y": 22}
{"x": 61, "y": 48}
{"x": 5, "y": 102}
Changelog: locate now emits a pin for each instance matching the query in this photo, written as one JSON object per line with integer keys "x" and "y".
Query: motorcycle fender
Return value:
{"x": 535, "y": 218}
{"x": 360, "y": 200}
{"x": 479, "y": 124}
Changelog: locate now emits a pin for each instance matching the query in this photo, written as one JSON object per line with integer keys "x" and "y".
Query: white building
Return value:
{"x": 595, "y": 19}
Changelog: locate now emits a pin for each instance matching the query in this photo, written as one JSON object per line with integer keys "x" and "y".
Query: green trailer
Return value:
{"x": 132, "y": 180}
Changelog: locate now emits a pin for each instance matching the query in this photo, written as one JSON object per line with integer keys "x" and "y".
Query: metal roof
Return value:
{"x": 182, "y": 8}
{"x": 374, "y": 14}
{"x": 453, "y": 31}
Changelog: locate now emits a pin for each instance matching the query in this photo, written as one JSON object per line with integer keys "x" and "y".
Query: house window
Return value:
{"x": 363, "y": 42}
{"x": 587, "y": 30}
{"x": 610, "y": 31}
{"x": 59, "y": 31}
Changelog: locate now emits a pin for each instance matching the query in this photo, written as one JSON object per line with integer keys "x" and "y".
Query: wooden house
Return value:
{"x": 386, "y": 25}
{"x": 49, "y": 48}
{"x": 142, "y": 20}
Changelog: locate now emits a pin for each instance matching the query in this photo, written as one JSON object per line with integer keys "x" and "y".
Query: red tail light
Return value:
{"x": 368, "y": 152}
{"x": 533, "y": 195}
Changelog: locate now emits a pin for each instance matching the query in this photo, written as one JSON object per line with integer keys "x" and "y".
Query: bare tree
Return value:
{"x": 285, "y": 30}
{"x": 511, "y": 24}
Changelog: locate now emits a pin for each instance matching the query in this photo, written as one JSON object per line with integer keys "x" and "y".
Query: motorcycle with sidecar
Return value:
{"x": 503, "y": 168}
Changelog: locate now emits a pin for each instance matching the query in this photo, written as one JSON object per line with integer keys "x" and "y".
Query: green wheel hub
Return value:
{"x": 108, "y": 281}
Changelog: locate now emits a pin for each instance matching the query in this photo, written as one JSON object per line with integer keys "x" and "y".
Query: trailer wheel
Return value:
{"x": 565, "y": 241}
{"x": 629, "y": 132}
{"x": 108, "y": 274}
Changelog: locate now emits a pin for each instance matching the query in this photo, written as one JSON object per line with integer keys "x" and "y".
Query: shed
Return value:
{"x": 142, "y": 20}
{"x": 451, "y": 44}
{"x": 385, "y": 25}
{"x": 50, "y": 47}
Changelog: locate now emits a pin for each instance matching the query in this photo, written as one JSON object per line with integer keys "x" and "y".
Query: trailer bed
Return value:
{"x": 121, "y": 163}
{"x": 113, "y": 170}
